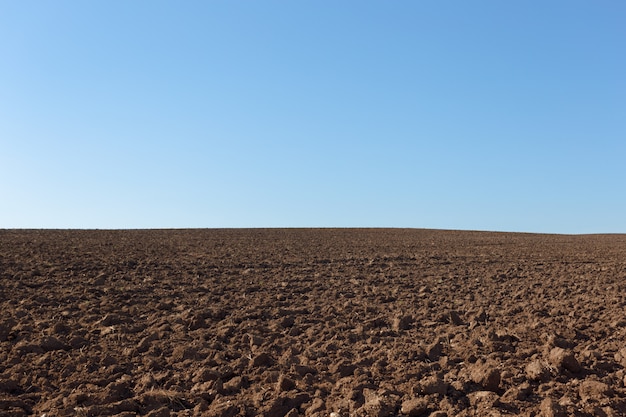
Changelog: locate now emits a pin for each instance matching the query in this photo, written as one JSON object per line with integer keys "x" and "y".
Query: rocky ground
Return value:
{"x": 311, "y": 322}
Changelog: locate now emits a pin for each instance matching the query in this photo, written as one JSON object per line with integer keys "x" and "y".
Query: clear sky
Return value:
{"x": 485, "y": 115}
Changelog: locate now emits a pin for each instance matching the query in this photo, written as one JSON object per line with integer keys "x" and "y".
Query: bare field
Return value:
{"x": 311, "y": 322}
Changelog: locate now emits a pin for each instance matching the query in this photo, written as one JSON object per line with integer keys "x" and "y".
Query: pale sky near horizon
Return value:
{"x": 482, "y": 115}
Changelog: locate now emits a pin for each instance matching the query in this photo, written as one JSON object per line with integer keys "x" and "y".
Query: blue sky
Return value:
{"x": 484, "y": 115}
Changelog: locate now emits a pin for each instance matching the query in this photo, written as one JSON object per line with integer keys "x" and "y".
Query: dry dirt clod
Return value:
{"x": 317, "y": 406}
{"x": 49, "y": 343}
{"x": 537, "y": 371}
{"x": 223, "y": 409}
{"x": 402, "y": 322}
{"x": 564, "y": 359}
{"x": 434, "y": 351}
{"x": 620, "y": 356}
{"x": 433, "y": 385}
{"x": 590, "y": 390}
{"x": 483, "y": 399}
{"x": 285, "y": 384}
{"x": 517, "y": 393}
{"x": 455, "y": 318}
{"x": 262, "y": 359}
{"x": 6, "y": 326}
{"x": 550, "y": 408}
{"x": 414, "y": 407}
{"x": 487, "y": 376}
{"x": 377, "y": 405}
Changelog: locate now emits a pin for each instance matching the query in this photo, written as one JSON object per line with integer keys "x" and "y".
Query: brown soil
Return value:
{"x": 330, "y": 322}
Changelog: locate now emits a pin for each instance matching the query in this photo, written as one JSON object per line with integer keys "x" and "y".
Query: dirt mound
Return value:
{"x": 303, "y": 322}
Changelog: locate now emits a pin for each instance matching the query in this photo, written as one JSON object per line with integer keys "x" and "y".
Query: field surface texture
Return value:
{"x": 311, "y": 322}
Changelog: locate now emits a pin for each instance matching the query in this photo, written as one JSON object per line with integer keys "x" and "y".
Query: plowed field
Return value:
{"x": 311, "y": 322}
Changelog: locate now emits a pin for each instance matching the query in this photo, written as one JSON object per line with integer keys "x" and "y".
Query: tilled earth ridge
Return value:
{"x": 311, "y": 322}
